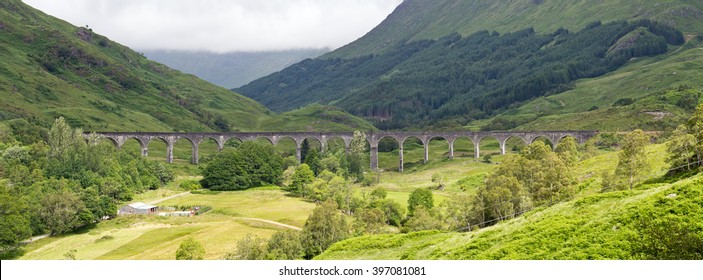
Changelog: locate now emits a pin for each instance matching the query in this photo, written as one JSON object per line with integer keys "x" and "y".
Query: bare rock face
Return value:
{"x": 85, "y": 34}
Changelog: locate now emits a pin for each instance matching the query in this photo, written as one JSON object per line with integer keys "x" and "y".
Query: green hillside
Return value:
{"x": 501, "y": 65}
{"x": 417, "y": 19}
{"x": 49, "y": 68}
{"x": 594, "y": 225}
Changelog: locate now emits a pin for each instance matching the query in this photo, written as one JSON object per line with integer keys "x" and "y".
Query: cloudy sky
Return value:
{"x": 224, "y": 25}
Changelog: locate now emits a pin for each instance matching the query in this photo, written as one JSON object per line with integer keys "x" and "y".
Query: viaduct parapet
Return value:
{"x": 373, "y": 139}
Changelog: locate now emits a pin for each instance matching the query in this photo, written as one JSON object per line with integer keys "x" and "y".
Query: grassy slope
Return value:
{"x": 592, "y": 226}
{"x": 638, "y": 79}
{"x": 101, "y": 85}
{"x": 417, "y": 19}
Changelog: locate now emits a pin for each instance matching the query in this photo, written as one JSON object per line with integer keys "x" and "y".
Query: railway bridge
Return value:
{"x": 373, "y": 138}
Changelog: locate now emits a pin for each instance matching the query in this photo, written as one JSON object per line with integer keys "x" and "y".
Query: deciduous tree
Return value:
{"x": 632, "y": 159}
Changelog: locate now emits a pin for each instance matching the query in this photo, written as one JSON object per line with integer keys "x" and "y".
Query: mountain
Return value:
{"x": 50, "y": 68}
{"x": 233, "y": 69}
{"x": 429, "y": 65}
{"x": 415, "y": 20}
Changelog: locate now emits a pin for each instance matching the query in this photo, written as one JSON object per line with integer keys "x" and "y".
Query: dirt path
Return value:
{"x": 167, "y": 198}
{"x": 35, "y": 238}
{"x": 271, "y": 222}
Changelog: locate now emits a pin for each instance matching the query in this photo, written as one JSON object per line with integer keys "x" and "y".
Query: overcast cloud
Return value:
{"x": 224, "y": 25}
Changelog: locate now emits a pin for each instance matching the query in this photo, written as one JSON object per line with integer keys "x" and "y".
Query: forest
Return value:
{"x": 461, "y": 78}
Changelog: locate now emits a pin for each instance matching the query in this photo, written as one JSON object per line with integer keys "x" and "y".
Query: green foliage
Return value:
{"x": 567, "y": 150}
{"x": 425, "y": 73}
{"x": 369, "y": 221}
{"x": 420, "y": 197}
{"x": 378, "y": 193}
{"x": 190, "y": 249}
{"x": 392, "y": 210}
{"x": 422, "y": 219}
{"x": 440, "y": 180}
{"x": 189, "y": 185}
{"x": 324, "y": 227}
{"x": 63, "y": 211}
{"x": 72, "y": 182}
{"x": 249, "y": 248}
{"x": 356, "y": 159}
{"x": 284, "y": 245}
{"x": 632, "y": 160}
{"x": 313, "y": 161}
{"x": 14, "y": 222}
{"x": 302, "y": 176}
{"x": 252, "y": 164}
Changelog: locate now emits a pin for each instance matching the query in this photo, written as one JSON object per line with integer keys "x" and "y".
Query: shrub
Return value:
{"x": 190, "y": 250}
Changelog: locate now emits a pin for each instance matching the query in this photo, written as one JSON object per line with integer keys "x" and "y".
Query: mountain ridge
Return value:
{"x": 415, "y": 20}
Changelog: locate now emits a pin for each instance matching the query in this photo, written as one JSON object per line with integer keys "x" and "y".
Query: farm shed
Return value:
{"x": 137, "y": 208}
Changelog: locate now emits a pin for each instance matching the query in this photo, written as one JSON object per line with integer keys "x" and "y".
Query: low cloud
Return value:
{"x": 224, "y": 25}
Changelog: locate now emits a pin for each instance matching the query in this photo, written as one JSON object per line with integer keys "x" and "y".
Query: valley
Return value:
{"x": 454, "y": 130}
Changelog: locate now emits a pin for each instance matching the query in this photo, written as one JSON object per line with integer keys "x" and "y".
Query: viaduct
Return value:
{"x": 373, "y": 138}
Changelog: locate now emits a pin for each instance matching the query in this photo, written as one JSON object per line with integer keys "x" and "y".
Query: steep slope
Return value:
{"x": 594, "y": 225}
{"x": 49, "y": 68}
{"x": 230, "y": 70}
{"x": 413, "y": 71}
{"x": 419, "y": 19}
{"x": 461, "y": 77}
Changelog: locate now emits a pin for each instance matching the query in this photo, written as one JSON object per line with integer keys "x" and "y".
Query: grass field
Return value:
{"x": 158, "y": 238}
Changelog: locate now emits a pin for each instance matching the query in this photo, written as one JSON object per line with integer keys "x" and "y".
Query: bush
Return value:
{"x": 190, "y": 250}
{"x": 189, "y": 185}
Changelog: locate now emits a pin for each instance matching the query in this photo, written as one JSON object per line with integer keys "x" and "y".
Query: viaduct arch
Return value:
{"x": 373, "y": 138}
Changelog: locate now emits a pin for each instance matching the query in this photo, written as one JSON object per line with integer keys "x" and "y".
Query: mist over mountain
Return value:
{"x": 233, "y": 69}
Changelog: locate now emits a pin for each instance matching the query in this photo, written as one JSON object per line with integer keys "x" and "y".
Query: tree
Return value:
{"x": 330, "y": 162}
{"x": 14, "y": 225}
{"x": 567, "y": 149}
{"x": 392, "y": 210}
{"x": 190, "y": 249}
{"x": 302, "y": 176}
{"x": 324, "y": 227}
{"x": 501, "y": 198}
{"x": 356, "y": 156}
{"x": 422, "y": 219}
{"x": 284, "y": 245}
{"x": 304, "y": 150}
{"x": 250, "y": 247}
{"x": 369, "y": 220}
{"x": 61, "y": 210}
{"x": 313, "y": 160}
{"x": 632, "y": 159}
{"x": 67, "y": 150}
{"x": 681, "y": 148}
{"x": 252, "y": 164}
{"x": 226, "y": 171}
{"x": 420, "y": 197}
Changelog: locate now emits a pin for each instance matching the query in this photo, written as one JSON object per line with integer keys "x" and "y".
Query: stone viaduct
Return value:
{"x": 373, "y": 138}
